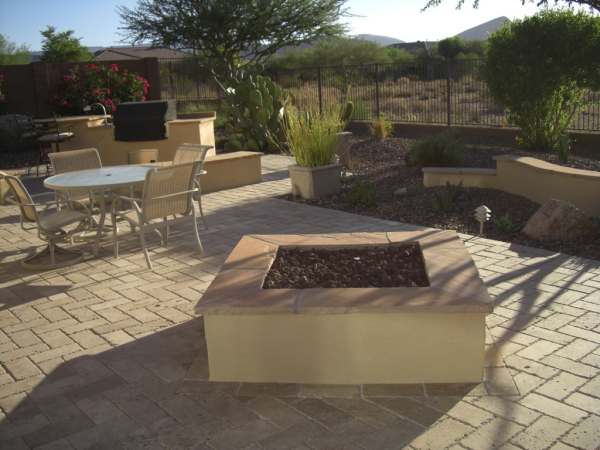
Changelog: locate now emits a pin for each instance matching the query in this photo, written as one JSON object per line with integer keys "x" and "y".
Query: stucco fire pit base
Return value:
{"x": 432, "y": 334}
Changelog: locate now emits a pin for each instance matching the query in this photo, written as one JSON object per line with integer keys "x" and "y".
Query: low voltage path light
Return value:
{"x": 482, "y": 214}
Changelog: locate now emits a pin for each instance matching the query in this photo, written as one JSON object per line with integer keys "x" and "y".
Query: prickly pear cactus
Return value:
{"x": 257, "y": 107}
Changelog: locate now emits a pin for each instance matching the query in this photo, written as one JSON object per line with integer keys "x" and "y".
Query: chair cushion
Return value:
{"x": 55, "y": 220}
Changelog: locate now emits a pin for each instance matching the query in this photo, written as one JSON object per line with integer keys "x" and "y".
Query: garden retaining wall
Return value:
{"x": 530, "y": 177}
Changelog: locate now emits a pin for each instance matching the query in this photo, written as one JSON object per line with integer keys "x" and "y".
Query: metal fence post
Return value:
{"x": 320, "y": 89}
{"x": 448, "y": 92}
{"x": 377, "y": 109}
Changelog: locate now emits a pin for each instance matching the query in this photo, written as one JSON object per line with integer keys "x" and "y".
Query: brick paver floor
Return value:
{"x": 106, "y": 354}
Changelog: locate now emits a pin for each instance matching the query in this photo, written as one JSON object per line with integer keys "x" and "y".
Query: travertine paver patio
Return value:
{"x": 109, "y": 354}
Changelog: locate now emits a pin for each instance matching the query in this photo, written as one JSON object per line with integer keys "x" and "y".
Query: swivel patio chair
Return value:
{"x": 168, "y": 191}
{"x": 187, "y": 153}
{"x": 50, "y": 226}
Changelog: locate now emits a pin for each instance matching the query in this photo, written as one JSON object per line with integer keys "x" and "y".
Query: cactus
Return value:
{"x": 346, "y": 112}
{"x": 257, "y": 106}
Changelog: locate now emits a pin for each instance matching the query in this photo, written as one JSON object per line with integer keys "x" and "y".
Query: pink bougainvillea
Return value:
{"x": 94, "y": 83}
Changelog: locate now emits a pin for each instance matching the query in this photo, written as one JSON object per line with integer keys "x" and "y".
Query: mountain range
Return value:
{"x": 478, "y": 33}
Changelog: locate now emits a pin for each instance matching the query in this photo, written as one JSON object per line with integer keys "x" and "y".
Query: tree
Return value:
{"x": 450, "y": 48}
{"x": 592, "y": 4}
{"x": 339, "y": 51}
{"x": 231, "y": 34}
{"x": 62, "y": 47}
{"x": 539, "y": 69}
{"x": 11, "y": 53}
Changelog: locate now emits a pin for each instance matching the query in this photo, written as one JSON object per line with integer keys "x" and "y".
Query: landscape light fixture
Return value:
{"x": 482, "y": 215}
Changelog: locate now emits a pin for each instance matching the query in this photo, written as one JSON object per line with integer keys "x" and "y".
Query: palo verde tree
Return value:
{"x": 594, "y": 5}
{"x": 539, "y": 69}
{"x": 231, "y": 34}
{"x": 62, "y": 47}
{"x": 233, "y": 38}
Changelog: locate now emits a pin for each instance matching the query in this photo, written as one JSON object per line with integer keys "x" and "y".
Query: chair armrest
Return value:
{"x": 175, "y": 194}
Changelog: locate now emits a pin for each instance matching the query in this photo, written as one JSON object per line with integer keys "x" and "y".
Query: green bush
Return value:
{"x": 445, "y": 197}
{"x": 381, "y": 128}
{"x": 440, "y": 150}
{"x": 539, "y": 68}
{"x": 505, "y": 224}
{"x": 362, "y": 194}
{"x": 312, "y": 136}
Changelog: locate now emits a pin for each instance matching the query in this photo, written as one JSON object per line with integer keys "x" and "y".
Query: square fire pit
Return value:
{"x": 414, "y": 312}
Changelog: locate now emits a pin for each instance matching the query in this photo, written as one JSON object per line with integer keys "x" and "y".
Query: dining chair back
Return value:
{"x": 143, "y": 156}
{"x": 168, "y": 191}
{"x": 69, "y": 161}
{"x": 187, "y": 153}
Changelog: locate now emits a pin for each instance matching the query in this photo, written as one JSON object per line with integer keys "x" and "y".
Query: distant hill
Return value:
{"x": 483, "y": 31}
{"x": 381, "y": 40}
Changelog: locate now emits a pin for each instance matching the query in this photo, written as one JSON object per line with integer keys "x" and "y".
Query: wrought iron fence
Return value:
{"x": 431, "y": 92}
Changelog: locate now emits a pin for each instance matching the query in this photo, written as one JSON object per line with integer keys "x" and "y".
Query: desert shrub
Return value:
{"x": 505, "y": 224}
{"x": 381, "y": 128}
{"x": 362, "y": 194}
{"x": 539, "y": 68}
{"x": 440, "y": 150}
{"x": 445, "y": 197}
{"x": 312, "y": 136}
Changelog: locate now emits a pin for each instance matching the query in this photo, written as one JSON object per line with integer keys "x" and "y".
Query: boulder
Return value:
{"x": 557, "y": 220}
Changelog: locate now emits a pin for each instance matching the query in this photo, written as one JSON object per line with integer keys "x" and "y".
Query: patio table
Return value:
{"x": 105, "y": 179}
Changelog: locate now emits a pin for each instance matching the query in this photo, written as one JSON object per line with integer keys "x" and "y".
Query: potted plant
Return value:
{"x": 312, "y": 139}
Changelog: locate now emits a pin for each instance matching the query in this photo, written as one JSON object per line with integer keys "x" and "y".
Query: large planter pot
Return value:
{"x": 315, "y": 182}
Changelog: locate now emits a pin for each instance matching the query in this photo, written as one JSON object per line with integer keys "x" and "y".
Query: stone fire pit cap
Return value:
{"x": 455, "y": 285}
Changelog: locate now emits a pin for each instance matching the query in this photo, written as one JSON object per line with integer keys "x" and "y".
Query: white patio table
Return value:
{"x": 94, "y": 181}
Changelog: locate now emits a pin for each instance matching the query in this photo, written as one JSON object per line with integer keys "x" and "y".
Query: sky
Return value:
{"x": 97, "y": 22}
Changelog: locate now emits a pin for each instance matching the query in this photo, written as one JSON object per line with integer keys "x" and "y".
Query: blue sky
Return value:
{"x": 97, "y": 22}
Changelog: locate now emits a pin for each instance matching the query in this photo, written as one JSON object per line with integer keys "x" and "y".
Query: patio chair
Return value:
{"x": 187, "y": 153}
{"x": 50, "y": 226}
{"x": 143, "y": 156}
{"x": 70, "y": 161}
{"x": 168, "y": 191}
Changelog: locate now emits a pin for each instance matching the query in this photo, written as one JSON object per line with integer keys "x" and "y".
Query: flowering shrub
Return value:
{"x": 93, "y": 83}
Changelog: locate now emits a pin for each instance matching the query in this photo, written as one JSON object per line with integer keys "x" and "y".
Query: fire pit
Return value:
{"x": 367, "y": 308}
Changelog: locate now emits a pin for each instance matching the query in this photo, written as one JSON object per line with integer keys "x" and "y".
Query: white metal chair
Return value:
{"x": 50, "y": 226}
{"x": 168, "y": 191}
{"x": 187, "y": 153}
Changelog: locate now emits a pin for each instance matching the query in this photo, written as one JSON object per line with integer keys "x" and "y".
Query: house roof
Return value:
{"x": 138, "y": 52}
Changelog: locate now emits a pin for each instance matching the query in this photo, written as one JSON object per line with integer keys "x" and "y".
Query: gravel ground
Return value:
{"x": 389, "y": 266}
{"x": 377, "y": 170}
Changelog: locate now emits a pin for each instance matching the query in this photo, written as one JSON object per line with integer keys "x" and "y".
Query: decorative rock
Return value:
{"x": 557, "y": 220}
{"x": 400, "y": 192}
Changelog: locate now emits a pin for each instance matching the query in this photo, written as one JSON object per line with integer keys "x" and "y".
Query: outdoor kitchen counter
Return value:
{"x": 90, "y": 131}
